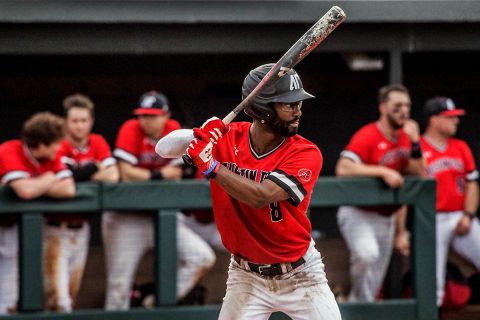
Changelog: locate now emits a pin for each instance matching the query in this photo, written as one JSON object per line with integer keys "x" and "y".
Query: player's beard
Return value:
{"x": 283, "y": 128}
{"x": 394, "y": 123}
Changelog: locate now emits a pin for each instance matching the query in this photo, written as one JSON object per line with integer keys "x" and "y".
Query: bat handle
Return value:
{"x": 188, "y": 161}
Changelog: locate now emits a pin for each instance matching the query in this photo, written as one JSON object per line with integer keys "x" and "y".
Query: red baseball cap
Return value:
{"x": 152, "y": 103}
{"x": 442, "y": 106}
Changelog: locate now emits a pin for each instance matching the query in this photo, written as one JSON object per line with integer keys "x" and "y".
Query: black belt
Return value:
{"x": 66, "y": 224}
{"x": 269, "y": 270}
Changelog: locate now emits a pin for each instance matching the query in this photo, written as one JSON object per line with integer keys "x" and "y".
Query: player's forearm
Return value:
{"x": 32, "y": 188}
{"x": 401, "y": 220}
{"x": 62, "y": 189}
{"x": 349, "y": 168}
{"x": 255, "y": 194}
{"x": 471, "y": 197}
{"x": 129, "y": 172}
{"x": 416, "y": 167}
{"x": 108, "y": 174}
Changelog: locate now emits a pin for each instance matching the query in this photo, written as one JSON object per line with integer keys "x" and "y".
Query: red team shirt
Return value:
{"x": 279, "y": 232}
{"x": 16, "y": 162}
{"x": 370, "y": 146}
{"x": 135, "y": 148}
{"x": 452, "y": 168}
{"x": 97, "y": 150}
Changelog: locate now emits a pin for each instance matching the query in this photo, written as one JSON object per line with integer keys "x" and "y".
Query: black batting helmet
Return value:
{"x": 287, "y": 89}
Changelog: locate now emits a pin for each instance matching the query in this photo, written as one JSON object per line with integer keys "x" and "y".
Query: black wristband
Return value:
{"x": 416, "y": 152}
{"x": 471, "y": 215}
{"x": 155, "y": 175}
{"x": 83, "y": 173}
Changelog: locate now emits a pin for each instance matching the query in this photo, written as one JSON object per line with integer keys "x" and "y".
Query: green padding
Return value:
{"x": 366, "y": 191}
{"x": 166, "y": 196}
{"x": 156, "y": 195}
{"x": 87, "y": 199}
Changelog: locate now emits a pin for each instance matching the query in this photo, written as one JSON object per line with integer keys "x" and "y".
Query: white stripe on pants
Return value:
{"x": 302, "y": 294}
{"x": 369, "y": 236}
{"x": 468, "y": 246}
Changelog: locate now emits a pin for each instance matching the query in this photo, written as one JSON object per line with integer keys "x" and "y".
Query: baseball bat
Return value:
{"x": 297, "y": 52}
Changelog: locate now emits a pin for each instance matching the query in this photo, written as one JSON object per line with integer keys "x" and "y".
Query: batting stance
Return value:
{"x": 385, "y": 149}
{"x": 262, "y": 176}
{"x": 451, "y": 163}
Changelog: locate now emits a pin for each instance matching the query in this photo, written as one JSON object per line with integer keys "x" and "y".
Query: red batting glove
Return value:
{"x": 201, "y": 152}
{"x": 214, "y": 128}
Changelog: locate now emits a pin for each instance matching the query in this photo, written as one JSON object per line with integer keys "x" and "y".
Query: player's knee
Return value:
{"x": 367, "y": 257}
{"x": 209, "y": 259}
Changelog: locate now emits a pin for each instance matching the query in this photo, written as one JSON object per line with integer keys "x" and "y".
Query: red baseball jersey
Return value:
{"x": 16, "y": 162}
{"x": 452, "y": 167}
{"x": 137, "y": 149}
{"x": 370, "y": 146}
{"x": 279, "y": 232}
{"x": 97, "y": 150}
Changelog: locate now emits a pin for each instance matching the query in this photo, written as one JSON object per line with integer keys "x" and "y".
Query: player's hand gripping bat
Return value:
{"x": 174, "y": 144}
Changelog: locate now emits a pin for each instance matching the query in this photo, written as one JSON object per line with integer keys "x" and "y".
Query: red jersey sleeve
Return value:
{"x": 65, "y": 153}
{"x": 102, "y": 151}
{"x": 60, "y": 169}
{"x": 470, "y": 167}
{"x": 12, "y": 166}
{"x": 298, "y": 174}
{"x": 129, "y": 142}
{"x": 358, "y": 149}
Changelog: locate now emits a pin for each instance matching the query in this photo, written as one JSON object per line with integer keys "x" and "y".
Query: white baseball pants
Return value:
{"x": 207, "y": 231}
{"x": 127, "y": 237}
{"x": 8, "y": 268}
{"x": 468, "y": 246}
{"x": 302, "y": 293}
{"x": 369, "y": 236}
{"x": 65, "y": 255}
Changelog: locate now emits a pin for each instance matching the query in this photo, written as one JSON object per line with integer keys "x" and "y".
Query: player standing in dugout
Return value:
{"x": 262, "y": 175}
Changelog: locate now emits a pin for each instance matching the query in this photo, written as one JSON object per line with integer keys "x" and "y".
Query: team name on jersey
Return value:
{"x": 394, "y": 156}
{"x": 251, "y": 174}
{"x": 444, "y": 164}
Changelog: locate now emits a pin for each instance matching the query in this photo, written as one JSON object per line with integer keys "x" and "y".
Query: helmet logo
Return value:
{"x": 294, "y": 82}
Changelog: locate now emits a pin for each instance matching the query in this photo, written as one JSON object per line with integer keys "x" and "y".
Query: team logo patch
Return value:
{"x": 305, "y": 174}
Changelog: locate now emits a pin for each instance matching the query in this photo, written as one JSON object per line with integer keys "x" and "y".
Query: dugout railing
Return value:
{"x": 167, "y": 196}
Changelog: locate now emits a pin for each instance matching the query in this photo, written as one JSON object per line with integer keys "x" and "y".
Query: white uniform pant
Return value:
{"x": 8, "y": 268}
{"x": 128, "y": 236}
{"x": 65, "y": 254}
{"x": 369, "y": 236}
{"x": 207, "y": 231}
{"x": 302, "y": 293}
{"x": 468, "y": 246}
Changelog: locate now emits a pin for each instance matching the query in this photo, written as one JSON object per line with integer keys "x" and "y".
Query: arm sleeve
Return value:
{"x": 128, "y": 144}
{"x": 103, "y": 153}
{"x": 298, "y": 174}
{"x": 358, "y": 148}
{"x": 11, "y": 168}
{"x": 60, "y": 169}
{"x": 470, "y": 168}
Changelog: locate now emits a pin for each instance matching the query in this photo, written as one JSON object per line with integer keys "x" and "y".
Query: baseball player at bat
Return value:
{"x": 451, "y": 163}
{"x": 386, "y": 148}
{"x": 261, "y": 177}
